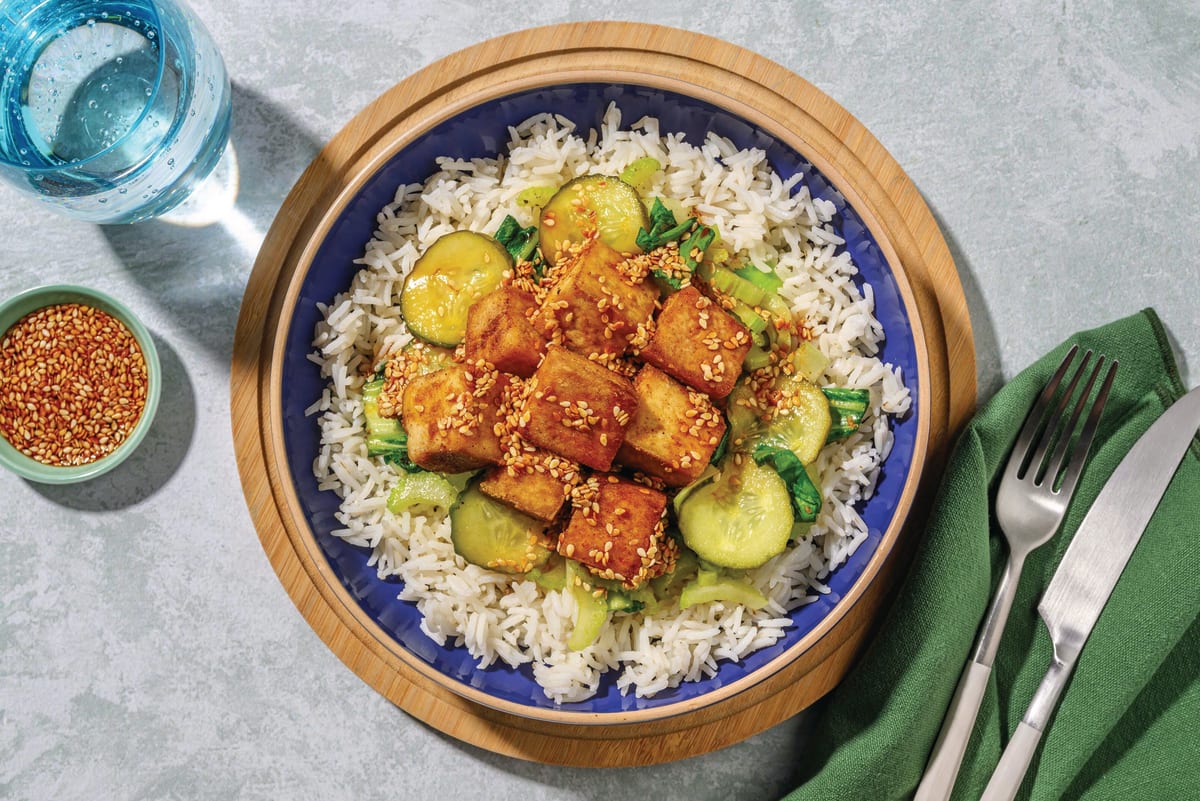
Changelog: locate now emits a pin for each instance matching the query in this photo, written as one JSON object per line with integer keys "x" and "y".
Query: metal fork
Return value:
{"x": 1036, "y": 488}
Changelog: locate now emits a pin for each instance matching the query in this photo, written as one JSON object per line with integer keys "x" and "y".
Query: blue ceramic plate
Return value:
{"x": 481, "y": 131}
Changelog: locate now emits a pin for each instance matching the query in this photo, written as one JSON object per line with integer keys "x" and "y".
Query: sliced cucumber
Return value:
{"x": 744, "y": 414}
{"x": 454, "y": 272}
{"x": 802, "y": 481}
{"x": 421, "y": 493}
{"x": 535, "y": 197}
{"x": 627, "y": 602}
{"x": 550, "y": 576}
{"x": 668, "y": 586}
{"x": 712, "y": 586}
{"x": 424, "y": 358}
{"x": 809, "y": 361}
{"x": 640, "y": 173}
{"x": 739, "y": 520}
{"x": 592, "y": 205}
{"x": 490, "y": 534}
{"x": 591, "y": 609}
{"x": 800, "y": 421}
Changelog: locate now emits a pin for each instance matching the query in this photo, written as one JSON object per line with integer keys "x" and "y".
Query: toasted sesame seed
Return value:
{"x": 73, "y": 384}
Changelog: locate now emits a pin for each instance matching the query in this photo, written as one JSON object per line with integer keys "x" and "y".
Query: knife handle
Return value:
{"x": 1014, "y": 762}
{"x": 951, "y": 745}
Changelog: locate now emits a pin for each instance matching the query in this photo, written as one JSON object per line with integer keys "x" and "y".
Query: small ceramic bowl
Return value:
{"x": 12, "y": 311}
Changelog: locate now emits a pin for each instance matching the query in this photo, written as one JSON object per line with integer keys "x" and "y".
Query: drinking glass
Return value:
{"x": 112, "y": 110}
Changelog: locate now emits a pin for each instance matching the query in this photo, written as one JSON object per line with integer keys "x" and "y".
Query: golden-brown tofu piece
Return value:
{"x": 452, "y": 418}
{"x": 674, "y": 431}
{"x": 499, "y": 331}
{"x": 594, "y": 306}
{"x": 698, "y": 342}
{"x": 532, "y": 481}
{"x": 576, "y": 408}
{"x": 414, "y": 359}
{"x": 617, "y": 530}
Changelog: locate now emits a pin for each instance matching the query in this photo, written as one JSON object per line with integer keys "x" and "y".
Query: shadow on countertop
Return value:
{"x": 198, "y": 274}
{"x": 989, "y": 372}
{"x": 764, "y": 767}
{"x": 156, "y": 459}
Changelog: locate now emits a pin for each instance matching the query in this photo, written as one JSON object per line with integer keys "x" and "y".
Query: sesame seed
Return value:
{"x": 73, "y": 384}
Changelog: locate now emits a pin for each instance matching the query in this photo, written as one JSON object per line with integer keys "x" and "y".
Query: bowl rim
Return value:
{"x": 403, "y": 138}
{"x": 39, "y": 297}
{"x": 929, "y": 265}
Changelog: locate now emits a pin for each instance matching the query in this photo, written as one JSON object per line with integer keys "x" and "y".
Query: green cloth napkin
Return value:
{"x": 1128, "y": 725}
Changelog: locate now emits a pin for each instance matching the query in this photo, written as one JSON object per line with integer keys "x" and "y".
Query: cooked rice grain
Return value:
{"x": 501, "y": 619}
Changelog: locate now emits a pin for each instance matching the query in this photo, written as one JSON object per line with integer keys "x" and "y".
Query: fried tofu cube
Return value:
{"x": 499, "y": 331}
{"x": 414, "y": 359}
{"x": 576, "y": 408}
{"x": 698, "y": 342}
{"x": 674, "y": 431}
{"x": 452, "y": 418}
{"x": 594, "y": 307}
{"x": 617, "y": 531}
{"x": 532, "y": 481}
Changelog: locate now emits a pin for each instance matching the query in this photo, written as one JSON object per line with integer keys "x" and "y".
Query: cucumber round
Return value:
{"x": 490, "y": 534}
{"x": 591, "y": 205}
{"x": 422, "y": 493}
{"x": 739, "y": 520}
{"x": 800, "y": 421}
{"x": 744, "y": 413}
{"x": 453, "y": 273}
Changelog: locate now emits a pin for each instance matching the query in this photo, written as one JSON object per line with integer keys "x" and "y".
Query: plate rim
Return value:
{"x": 382, "y": 147}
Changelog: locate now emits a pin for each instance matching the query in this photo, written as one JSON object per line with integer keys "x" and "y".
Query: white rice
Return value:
{"x": 502, "y": 619}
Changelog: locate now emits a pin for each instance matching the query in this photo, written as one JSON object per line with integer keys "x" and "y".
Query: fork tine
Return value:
{"x": 1066, "y": 433}
{"x": 1031, "y": 431}
{"x": 1038, "y": 462}
{"x": 1075, "y": 467}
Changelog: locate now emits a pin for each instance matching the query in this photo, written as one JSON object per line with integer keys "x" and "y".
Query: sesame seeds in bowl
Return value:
{"x": 79, "y": 383}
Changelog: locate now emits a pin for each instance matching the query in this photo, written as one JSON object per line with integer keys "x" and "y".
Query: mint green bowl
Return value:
{"x": 31, "y": 300}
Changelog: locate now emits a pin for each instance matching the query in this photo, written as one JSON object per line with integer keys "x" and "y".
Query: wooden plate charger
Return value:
{"x": 724, "y": 75}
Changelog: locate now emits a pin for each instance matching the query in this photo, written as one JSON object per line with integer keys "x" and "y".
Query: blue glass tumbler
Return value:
{"x": 113, "y": 110}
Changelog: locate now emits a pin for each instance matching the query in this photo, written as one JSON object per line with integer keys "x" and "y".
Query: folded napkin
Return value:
{"x": 1128, "y": 725}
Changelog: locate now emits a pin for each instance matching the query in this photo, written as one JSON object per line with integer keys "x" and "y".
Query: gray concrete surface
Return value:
{"x": 147, "y": 650}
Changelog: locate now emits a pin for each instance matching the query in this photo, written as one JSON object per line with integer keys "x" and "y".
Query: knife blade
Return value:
{"x": 1090, "y": 569}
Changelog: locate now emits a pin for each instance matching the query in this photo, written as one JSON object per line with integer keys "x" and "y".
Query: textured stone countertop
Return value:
{"x": 147, "y": 649}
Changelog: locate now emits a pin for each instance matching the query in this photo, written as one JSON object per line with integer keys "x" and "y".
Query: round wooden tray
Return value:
{"x": 835, "y": 142}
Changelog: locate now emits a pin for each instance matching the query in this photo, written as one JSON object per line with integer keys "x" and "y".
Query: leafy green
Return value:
{"x": 520, "y": 242}
{"x": 663, "y": 228}
{"x": 847, "y": 406}
{"x": 697, "y": 242}
{"x": 806, "y": 496}
{"x": 397, "y": 456}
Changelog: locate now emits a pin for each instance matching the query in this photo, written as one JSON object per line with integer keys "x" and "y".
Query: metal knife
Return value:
{"x": 1090, "y": 568}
